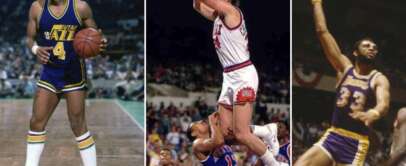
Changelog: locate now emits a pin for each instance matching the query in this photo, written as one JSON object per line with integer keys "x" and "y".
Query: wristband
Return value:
{"x": 377, "y": 113}
{"x": 316, "y": 1}
{"x": 34, "y": 49}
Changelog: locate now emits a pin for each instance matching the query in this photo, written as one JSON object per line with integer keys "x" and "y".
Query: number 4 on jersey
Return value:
{"x": 59, "y": 51}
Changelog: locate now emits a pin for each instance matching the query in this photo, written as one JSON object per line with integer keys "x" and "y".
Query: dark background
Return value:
{"x": 178, "y": 34}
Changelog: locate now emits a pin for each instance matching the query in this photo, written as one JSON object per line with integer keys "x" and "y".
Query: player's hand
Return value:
{"x": 103, "y": 44}
{"x": 43, "y": 54}
{"x": 367, "y": 117}
{"x": 213, "y": 119}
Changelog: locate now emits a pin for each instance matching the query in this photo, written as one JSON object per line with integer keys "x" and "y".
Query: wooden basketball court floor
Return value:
{"x": 119, "y": 140}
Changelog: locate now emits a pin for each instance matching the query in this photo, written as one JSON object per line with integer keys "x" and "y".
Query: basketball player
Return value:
{"x": 240, "y": 78}
{"x": 208, "y": 141}
{"x": 166, "y": 157}
{"x": 398, "y": 149}
{"x": 283, "y": 156}
{"x": 362, "y": 98}
{"x": 51, "y": 28}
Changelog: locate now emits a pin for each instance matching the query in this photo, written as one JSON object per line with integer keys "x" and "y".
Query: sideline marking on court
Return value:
{"x": 129, "y": 115}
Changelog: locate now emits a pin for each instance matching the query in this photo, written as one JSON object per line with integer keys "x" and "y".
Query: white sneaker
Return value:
{"x": 271, "y": 138}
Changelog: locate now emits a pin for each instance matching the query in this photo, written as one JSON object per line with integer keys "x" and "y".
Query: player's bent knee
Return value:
{"x": 241, "y": 136}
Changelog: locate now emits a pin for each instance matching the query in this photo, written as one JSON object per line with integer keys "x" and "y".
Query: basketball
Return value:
{"x": 87, "y": 42}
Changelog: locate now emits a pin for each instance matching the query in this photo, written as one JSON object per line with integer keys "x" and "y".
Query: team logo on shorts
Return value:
{"x": 246, "y": 95}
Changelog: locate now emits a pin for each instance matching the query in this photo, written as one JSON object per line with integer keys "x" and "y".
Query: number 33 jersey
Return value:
{"x": 355, "y": 93}
{"x": 65, "y": 71}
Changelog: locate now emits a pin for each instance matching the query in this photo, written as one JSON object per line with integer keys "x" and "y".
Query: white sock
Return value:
{"x": 35, "y": 146}
{"x": 268, "y": 159}
{"x": 260, "y": 131}
{"x": 87, "y": 149}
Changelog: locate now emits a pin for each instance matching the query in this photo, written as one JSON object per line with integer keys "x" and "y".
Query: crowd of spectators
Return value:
{"x": 123, "y": 61}
{"x": 167, "y": 127}
{"x": 198, "y": 77}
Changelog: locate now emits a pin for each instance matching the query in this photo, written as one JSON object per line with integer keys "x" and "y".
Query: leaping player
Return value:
{"x": 51, "y": 28}
{"x": 362, "y": 98}
{"x": 240, "y": 78}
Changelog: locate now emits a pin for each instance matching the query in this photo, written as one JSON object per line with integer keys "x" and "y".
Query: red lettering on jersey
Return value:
{"x": 245, "y": 95}
{"x": 217, "y": 34}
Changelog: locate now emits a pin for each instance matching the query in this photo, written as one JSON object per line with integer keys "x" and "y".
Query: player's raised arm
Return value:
{"x": 232, "y": 16}
{"x": 204, "y": 10}
{"x": 330, "y": 47}
{"x": 214, "y": 141}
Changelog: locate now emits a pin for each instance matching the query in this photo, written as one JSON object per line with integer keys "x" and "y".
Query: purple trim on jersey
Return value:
{"x": 237, "y": 26}
{"x": 237, "y": 66}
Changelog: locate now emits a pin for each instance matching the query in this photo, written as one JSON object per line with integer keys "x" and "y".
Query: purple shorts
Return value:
{"x": 344, "y": 146}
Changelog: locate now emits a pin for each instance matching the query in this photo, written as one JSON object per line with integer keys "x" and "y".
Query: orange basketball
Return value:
{"x": 87, "y": 42}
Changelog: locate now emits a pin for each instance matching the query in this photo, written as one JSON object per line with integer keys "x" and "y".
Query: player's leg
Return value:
{"x": 314, "y": 156}
{"x": 226, "y": 119}
{"x": 269, "y": 133}
{"x": 76, "y": 113}
{"x": 44, "y": 105}
{"x": 242, "y": 114}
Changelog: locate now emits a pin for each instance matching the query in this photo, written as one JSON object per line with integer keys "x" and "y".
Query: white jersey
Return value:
{"x": 231, "y": 43}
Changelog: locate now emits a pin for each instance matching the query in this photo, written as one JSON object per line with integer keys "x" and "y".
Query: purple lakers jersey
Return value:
{"x": 223, "y": 156}
{"x": 354, "y": 93}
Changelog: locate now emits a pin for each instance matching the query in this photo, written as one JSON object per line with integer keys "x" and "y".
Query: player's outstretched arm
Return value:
{"x": 330, "y": 47}
{"x": 214, "y": 141}
{"x": 204, "y": 10}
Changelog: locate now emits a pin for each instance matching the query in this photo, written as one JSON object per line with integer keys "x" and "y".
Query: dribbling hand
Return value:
{"x": 213, "y": 119}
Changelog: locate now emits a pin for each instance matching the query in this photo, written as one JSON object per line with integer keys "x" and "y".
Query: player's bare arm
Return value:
{"x": 201, "y": 146}
{"x": 382, "y": 99}
{"x": 232, "y": 16}
{"x": 398, "y": 153}
{"x": 86, "y": 15}
{"x": 204, "y": 10}
{"x": 42, "y": 53}
{"x": 330, "y": 47}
